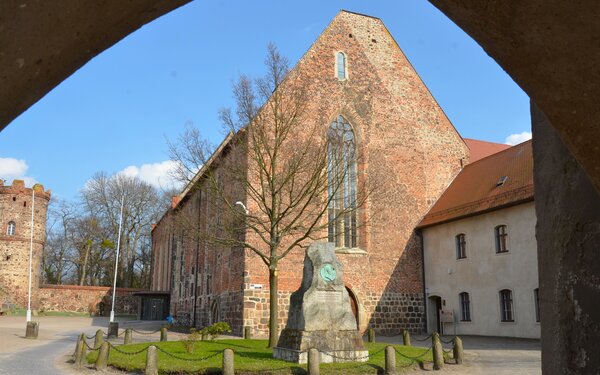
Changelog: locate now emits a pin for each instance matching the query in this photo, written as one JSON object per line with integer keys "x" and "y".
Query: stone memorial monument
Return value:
{"x": 320, "y": 315}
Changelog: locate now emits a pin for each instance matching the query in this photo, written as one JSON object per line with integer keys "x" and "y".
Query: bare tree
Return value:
{"x": 142, "y": 207}
{"x": 285, "y": 164}
{"x": 57, "y": 261}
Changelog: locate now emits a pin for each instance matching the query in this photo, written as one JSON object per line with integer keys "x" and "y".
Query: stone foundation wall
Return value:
{"x": 256, "y": 310}
{"x": 391, "y": 313}
{"x": 388, "y": 314}
{"x": 97, "y": 299}
{"x": 224, "y": 307}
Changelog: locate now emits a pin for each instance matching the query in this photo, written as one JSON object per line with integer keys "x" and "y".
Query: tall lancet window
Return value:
{"x": 342, "y": 184}
{"x": 341, "y": 66}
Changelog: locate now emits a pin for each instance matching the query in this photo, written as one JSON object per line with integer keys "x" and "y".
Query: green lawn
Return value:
{"x": 251, "y": 356}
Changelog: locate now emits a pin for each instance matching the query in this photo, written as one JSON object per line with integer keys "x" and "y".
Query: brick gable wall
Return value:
{"x": 408, "y": 148}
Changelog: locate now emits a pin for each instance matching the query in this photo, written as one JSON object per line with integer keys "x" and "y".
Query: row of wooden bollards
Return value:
{"x": 103, "y": 347}
{"x": 436, "y": 348}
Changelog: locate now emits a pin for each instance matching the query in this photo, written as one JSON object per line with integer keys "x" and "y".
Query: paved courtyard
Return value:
{"x": 487, "y": 355}
{"x": 49, "y": 353}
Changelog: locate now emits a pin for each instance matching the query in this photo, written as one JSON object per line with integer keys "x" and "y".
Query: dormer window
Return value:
{"x": 341, "y": 66}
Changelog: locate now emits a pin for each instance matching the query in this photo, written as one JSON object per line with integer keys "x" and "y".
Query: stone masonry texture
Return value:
{"x": 408, "y": 147}
{"x": 15, "y": 206}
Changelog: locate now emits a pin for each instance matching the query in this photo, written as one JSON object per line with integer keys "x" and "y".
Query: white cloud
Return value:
{"x": 517, "y": 138}
{"x": 15, "y": 169}
{"x": 156, "y": 174}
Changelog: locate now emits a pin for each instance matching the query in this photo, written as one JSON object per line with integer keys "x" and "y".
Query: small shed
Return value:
{"x": 153, "y": 305}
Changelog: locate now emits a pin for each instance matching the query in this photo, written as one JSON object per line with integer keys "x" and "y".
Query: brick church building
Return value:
{"x": 365, "y": 82}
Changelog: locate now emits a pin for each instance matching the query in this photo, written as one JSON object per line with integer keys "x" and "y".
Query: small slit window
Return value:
{"x": 11, "y": 230}
{"x": 506, "y": 306}
{"x": 536, "y": 297}
{"x": 465, "y": 307}
{"x": 341, "y": 66}
{"x": 461, "y": 246}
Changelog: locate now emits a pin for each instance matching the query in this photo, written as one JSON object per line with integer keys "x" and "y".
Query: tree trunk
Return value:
{"x": 85, "y": 262}
{"x": 273, "y": 307}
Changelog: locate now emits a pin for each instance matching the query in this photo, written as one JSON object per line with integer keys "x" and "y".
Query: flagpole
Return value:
{"x": 112, "y": 311}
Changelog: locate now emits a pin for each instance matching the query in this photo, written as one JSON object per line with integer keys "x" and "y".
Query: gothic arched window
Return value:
{"x": 341, "y": 66}
{"x": 342, "y": 192}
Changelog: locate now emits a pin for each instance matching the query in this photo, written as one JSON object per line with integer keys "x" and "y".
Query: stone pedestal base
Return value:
{"x": 113, "y": 330}
{"x": 334, "y": 346}
{"x": 32, "y": 330}
{"x": 334, "y": 356}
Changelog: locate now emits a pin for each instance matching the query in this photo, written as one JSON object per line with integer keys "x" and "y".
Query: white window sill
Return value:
{"x": 350, "y": 250}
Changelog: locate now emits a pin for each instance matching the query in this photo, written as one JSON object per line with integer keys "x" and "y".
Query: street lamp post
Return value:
{"x": 112, "y": 310}
{"x": 32, "y": 327}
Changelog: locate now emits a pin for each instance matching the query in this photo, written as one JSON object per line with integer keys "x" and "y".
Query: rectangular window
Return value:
{"x": 461, "y": 246}
{"x": 506, "y": 306}
{"x": 501, "y": 234}
{"x": 465, "y": 307}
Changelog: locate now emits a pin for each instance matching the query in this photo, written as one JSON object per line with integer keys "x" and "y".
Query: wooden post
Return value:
{"x": 78, "y": 345}
{"x": 79, "y": 350}
{"x": 151, "y": 361}
{"x": 163, "y": 334}
{"x": 406, "y": 338}
{"x": 457, "y": 350}
{"x": 228, "y": 368}
{"x": 438, "y": 352}
{"x": 102, "y": 360}
{"x": 127, "y": 339}
{"x": 390, "y": 360}
{"x": 99, "y": 339}
{"x": 371, "y": 335}
{"x": 313, "y": 362}
{"x": 82, "y": 354}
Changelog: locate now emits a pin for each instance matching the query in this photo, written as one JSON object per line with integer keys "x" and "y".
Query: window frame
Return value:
{"x": 460, "y": 242}
{"x": 464, "y": 300}
{"x": 507, "y": 306}
{"x": 501, "y": 240}
{"x": 337, "y": 65}
{"x": 11, "y": 228}
{"x": 338, "y": 221}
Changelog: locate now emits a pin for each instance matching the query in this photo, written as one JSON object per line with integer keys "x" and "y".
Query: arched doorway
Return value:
{"x": 354, "y": 306}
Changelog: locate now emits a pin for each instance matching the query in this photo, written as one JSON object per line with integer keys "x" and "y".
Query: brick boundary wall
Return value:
{"x": 96, "y": 299}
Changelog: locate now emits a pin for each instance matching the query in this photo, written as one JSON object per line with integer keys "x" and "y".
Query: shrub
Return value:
{"x": 215, "y": 330}
{"x": 190, "y": 340}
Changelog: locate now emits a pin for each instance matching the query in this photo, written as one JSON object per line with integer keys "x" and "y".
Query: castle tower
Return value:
{"x": 15, "y": 238}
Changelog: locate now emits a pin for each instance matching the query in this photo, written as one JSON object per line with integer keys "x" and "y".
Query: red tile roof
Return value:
{"x": 476, "y": 189}
{"x": 481, "y": 149}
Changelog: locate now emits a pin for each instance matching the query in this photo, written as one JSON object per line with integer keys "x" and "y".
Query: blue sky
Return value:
{"x": 116, "y": 112}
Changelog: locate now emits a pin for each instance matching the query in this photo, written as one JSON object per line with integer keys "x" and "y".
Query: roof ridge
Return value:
{"x": 359, "y": 14}
{"x": 496, "y": 154}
